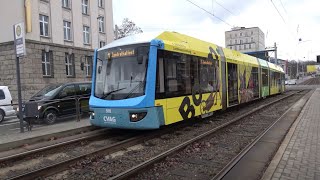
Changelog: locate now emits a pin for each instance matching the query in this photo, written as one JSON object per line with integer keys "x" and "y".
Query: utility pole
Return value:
{"x": 275, "y": 53}
{"x": 297, "y": 75}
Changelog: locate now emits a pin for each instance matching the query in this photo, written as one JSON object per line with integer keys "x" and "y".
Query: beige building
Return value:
{"x": 60, "y": 36}
{"x": 245, "y": 39}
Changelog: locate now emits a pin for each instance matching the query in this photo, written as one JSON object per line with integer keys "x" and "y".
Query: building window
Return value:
{"x": 65, "y": 3}
{"x": 249, "y": 46}
{"x": 240, "y": 41}
{"x": 85, "y": 6}
{"x": 102, "y": 43}
{"x": 70, "y": 67}
{"x": 235, "y": 41}
{"x": 230, "y": 35}
{"x": 101, "y": 24}
{"x": 67, "y": 30}
{"x": 44, "y": 25}
{"x": 88, "y": 66}
{"x": 47, "y": 64}
{"x": 100, "y": 3}
{"x": 251, "y": 32}
{"x": 245, "y": 47}
{"x": 86, "y": 34}
{"x": 241, "y": 34}
{"x": 251, "y": 39}
{"x": 230, "y": 41}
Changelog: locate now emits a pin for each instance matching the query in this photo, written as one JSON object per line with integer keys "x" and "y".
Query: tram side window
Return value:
{"x": 277, "y": 78}
{"x": 194, "y": 69}
{"x": 160, "y": 86}
{"x": 177, "y": 73}
{"x": 208, "y": 75}
{"x": 254, "y": 82}
{"x": 264, "y": 77}
{"x": 272, "y": 78}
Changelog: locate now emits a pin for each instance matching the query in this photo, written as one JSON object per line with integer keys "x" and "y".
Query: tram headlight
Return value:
{"x": 137, "y": 116}
{"x": 91, "y": 115}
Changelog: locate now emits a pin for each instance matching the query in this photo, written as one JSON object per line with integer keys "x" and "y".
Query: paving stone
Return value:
{"x": 301, "y": 158}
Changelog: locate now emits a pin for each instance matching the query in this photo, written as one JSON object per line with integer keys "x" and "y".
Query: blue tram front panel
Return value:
{"x": 142, "y": 118}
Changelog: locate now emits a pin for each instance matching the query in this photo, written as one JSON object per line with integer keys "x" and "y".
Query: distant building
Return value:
{"x": 245, "y": 39}
{"x": 60, "y": 35}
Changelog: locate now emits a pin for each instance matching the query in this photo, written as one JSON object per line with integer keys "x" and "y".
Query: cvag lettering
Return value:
{"x": 109, "y": 119}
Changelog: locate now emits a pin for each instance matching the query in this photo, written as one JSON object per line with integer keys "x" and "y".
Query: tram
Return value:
{"x": 146, "y": 81}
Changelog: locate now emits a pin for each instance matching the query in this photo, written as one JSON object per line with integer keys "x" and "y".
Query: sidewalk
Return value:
{"x": 299, "y": 154}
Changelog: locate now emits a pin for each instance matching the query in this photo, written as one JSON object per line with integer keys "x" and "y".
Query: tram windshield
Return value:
{"x": 121, "y": 72}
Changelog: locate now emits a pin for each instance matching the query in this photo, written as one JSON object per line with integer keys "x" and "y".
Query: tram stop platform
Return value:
{"x": 298, "y": 157}
{"x": 10, "y": 134}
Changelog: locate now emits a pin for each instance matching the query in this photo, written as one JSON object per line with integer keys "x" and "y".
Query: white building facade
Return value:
{"x": 60, "y": 37}
{"x": 245, "y": 39}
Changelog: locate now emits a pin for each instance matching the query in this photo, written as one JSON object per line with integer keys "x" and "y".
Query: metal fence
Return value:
{"x": 74, "y": 106}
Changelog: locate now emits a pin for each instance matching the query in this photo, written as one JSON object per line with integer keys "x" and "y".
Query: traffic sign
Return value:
{"x": 19, "y": 40}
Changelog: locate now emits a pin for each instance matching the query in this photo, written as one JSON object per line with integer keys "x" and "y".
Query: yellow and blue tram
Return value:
{"x": 145, "y": 81}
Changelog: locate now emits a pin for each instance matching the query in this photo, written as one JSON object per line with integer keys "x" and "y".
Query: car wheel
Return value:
{"x": 1, "y": 116}
{"x": 50, "y": 117}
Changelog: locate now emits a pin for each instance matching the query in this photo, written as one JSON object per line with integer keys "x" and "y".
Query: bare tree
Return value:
{"x": 127, "y": 28}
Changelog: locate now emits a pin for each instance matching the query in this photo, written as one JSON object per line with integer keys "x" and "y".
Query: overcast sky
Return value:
{"x": 295, "y": 19}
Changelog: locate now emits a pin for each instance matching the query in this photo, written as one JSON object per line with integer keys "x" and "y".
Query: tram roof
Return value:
{"x": 133, "y": 39}
{"x": 275, "y": 67}
{"x": 177, "y": 42}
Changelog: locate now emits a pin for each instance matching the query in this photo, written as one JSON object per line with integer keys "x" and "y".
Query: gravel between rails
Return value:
{"x": 41, "y": 159}
{"x": 103, "y": 167}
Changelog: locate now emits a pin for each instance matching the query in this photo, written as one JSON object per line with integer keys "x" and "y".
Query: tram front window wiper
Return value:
{"x": 141, "y": 83}
{"x": 105, "y": 95}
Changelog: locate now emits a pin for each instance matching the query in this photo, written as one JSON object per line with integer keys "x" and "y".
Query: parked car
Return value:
{"x": 6, "y": 108}
{"x": 58, "y": 100}
{"x": 292, "y": 82}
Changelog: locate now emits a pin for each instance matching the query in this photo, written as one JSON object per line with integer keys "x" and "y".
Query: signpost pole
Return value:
{"x": 19, "y": 46}
{"x": 19, "y": 95}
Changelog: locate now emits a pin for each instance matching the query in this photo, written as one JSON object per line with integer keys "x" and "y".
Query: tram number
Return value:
{"x": 109, "y": 119}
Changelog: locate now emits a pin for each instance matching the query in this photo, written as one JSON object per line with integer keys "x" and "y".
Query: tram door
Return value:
{"x": 232, "y": 84}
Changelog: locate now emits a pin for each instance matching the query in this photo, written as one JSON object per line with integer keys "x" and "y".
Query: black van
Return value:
{"x": 59, "y": 100}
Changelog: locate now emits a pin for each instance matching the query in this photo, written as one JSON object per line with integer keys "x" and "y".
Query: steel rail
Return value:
{"x": 53, "y": 144}
{"x": 236, "y": 159}
{"x": 64, "y": 165}
{"x": 136, "y": 169}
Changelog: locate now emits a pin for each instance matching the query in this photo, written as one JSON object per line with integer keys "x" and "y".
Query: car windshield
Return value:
{"x": 47, "y": 91}
{"x": 121, "y": 72}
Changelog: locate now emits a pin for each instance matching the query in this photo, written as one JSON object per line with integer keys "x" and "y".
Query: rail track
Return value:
{"x": 170, "y": 156}
{"x": 60, "y": 166}
{"x": 312, "y": 81}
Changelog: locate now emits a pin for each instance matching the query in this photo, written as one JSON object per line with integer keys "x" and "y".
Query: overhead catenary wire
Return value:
{"x": 283, "y": 7}
{"x": 292, "y": 34}
{"x": 209, "y": 13}
{"x": 224, "y": 8}
{"x": 278, "y": 12}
